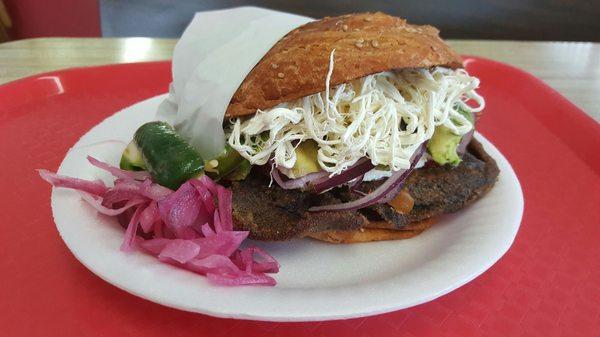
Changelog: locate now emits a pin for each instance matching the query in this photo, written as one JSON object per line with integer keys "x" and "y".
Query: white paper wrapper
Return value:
{"x": 210, "y": 61}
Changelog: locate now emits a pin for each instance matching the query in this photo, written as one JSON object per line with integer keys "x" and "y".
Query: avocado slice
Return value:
{"x": 442, "y": 145}
{"x": 306, "y": 160}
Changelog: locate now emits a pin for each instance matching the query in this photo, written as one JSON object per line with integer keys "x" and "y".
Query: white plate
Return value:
{"x": 317, "y": 281}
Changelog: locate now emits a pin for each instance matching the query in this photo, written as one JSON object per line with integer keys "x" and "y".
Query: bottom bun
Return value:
{"x": 370, "y": 234}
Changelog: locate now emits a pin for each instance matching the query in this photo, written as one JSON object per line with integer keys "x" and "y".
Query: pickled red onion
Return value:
{"x": 191, "y": 228}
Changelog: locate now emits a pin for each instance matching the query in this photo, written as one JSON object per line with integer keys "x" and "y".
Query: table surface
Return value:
{"x": 548, "y": 283}
{"x": 571, "y": 68}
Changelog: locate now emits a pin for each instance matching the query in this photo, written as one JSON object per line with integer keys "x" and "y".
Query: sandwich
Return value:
{"x": 338, "y": 109}
{"x": 350, "y": 129}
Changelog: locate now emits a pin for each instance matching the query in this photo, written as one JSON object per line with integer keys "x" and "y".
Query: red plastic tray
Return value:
{"x": 548, "y": 284}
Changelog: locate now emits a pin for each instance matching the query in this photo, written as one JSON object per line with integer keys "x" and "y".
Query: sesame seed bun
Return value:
{"x": 364, "y": 44}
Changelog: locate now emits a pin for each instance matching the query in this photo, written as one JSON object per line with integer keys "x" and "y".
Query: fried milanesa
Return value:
{"x": 272, "y": 213}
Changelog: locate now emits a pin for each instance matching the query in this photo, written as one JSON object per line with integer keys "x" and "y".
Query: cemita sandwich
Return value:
{"x": 349, "y": 129}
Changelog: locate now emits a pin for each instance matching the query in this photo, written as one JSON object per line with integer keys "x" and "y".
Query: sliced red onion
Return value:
{"x": 153, "y": 191}
{"x": 122, "y": 191}
{"x": 361, "y": 167}
{"x": 238, "y": 280}
{"x": 191, "y": 228}
{"x": 179, "y": 250}
{"x": 129, "y": 239}
{"x": 319, "y": 182}
{"x": 391, "y": 193}
{"x": 213, "y": 264}
{"x": 466, "y": 139}
{"x": 222, "y": 243}
{"x": 207, "y": 231}
{"x": 301, "y": 182}
{"x": 225, "y": 204}
{"x": 266, "y": 264}
{"x": 149, "y": 216}
{"x": 95, "y": 187}
{"x": 154, "y": 246}
{"x": 97, "y": 204}
{"x": 385, "y": 191}
{"x": 354, "y": 184}
{"x": 117, "y": 172}
{"x": 180, "y": 210}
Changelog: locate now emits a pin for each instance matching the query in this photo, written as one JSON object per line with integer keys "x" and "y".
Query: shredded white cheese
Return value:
{"x": 384, "y": 116}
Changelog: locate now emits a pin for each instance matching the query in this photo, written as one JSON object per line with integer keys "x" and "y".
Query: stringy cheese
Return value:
{"x": 384, "y": 116}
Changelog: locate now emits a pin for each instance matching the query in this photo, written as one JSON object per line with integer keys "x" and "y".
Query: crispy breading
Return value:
{"x": 275, "y": 214}
{"x": 438, "y": 189}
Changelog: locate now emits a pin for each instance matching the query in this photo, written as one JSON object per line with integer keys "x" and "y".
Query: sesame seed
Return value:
{"x": 360, "y": 40}
{"x": 280, "y": 75}
{"x": 375, "y": 43}
{"x": 345, "y": 28}
{"x": 368, "y": 19}
{"x": 274, "y": 66}
{"x": 359, "y": 44}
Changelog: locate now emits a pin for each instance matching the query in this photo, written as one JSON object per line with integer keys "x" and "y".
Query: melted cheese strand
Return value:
{"x": 384, "y": 116}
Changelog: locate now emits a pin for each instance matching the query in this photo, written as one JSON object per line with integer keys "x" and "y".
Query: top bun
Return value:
{"x": 366, "y": 43}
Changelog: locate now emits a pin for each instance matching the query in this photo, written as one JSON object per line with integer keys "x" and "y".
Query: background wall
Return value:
{"x": 39, "y": 18}
{"x": 567, "y": 20}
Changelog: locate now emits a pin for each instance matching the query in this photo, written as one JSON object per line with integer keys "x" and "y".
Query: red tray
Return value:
{"x": 548, "y": 284}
